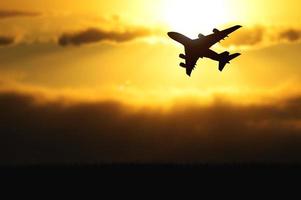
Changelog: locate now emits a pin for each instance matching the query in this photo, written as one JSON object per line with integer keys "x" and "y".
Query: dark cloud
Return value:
{"x": 93, "y": 35}
{"x": 291, "y": 35}
{"x": 4, "y": 40}
{"x": 109, "y": 132}
{"x": 15, "y": 13}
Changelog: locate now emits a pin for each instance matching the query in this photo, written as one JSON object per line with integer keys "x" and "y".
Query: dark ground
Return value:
{"x": 153, "y": 170}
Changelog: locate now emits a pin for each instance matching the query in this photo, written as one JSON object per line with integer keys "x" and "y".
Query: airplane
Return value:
{"x": 200, "y": 48}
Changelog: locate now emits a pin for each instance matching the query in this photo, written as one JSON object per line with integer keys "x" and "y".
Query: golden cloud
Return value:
{"x": 16, "y": 13}
{"x": 92, "y": 35}
{"x": 6, "y": 40}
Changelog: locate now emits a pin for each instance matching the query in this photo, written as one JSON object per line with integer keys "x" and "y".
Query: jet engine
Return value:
{"x": 215, "y": 30}
{"x": 183, "y": 65}
{"x": 201, "y": 35}
{"x": 182, "y": 56}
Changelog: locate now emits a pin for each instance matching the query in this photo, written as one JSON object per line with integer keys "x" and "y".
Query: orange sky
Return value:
{"x": 92, "y": 81}
{"x": 145, "y": 67}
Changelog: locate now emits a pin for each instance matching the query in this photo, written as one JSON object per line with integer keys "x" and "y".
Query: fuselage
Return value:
{"x": 200, "y": 46}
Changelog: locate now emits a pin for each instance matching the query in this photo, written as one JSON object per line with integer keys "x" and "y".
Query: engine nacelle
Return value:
{"x": 201, "y": 35}
{"x": 183, "y": 65}
{"x": 182, "y": 56}
{"x": 215, "y": 30}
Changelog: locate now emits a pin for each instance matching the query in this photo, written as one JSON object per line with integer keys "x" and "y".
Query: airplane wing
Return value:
{"x": 217, "y": 36}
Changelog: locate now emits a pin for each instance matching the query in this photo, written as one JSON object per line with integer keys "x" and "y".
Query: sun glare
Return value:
{"x": 195, "y": 16}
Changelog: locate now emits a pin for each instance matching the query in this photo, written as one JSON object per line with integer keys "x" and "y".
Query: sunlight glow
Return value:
{"x": 195, "y": 16}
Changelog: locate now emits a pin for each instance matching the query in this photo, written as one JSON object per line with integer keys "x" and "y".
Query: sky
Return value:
{"x": 99, "y": 81}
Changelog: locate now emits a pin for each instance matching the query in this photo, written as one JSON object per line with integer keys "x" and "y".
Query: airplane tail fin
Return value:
{"x": 225, "y": 58}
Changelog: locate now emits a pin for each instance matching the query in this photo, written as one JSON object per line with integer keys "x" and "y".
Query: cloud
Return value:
{"x": 60, "y": 28}
{"x": 93, "y": 35}
{"x": 5, "y": 40}
{"x": 263, "y": 36}
{"x": 291, "y": 35}
{"x": 15, "y": 13}
{"x": 37, "y": 131}
{"x": 246, "y": 37}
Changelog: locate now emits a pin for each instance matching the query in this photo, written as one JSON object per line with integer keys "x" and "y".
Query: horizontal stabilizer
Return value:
{"x": 226, "y": 59}
{"x": 231, "y": 57}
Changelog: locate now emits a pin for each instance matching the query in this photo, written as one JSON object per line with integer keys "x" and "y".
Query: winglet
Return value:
{"x": 226, "y": 60}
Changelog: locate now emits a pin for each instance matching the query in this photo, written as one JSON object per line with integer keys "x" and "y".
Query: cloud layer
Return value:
{"x": 15, "y": 13}
{"x": 263, "y": 36}
{"x": 291, "y": 35}
{"x": 33, "y": 131}
{"x": 4, "y": 40}
{"x": 60, "y": 28}
{"x": 93, "y": 35}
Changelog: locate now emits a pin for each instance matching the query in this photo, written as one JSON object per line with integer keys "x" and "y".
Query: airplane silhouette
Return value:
{"x": 200, "y": 48}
